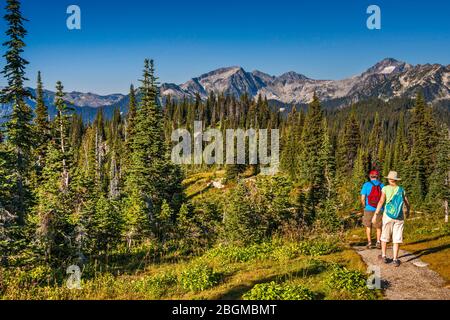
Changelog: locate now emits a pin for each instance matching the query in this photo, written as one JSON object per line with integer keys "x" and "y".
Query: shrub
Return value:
{"x": 318, "y": 247}
{"x": 352, "y": 282}
{"x": 273, "y": 250}
{"x": 156, "y": 285}
{"x": 257, "y": 208}
{"x": 275, "y": 291}
{"x": 198, "y": 278}
{"x": 327, "y": 218}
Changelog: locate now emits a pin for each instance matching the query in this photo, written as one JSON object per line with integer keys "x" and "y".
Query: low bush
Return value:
{"x": 275, "y": 291}
{"x": 156, "y": 285}
{"x": 198, "y": 277}
{"x": 319, "y": 247}
{"x": 275, "y": 250}
{"x": 352, "y": 282}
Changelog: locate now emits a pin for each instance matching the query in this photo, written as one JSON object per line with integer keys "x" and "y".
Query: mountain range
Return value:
{"x": 387, "y": 79}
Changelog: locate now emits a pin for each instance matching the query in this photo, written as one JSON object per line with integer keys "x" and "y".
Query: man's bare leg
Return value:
{"x": 369, "y": 234}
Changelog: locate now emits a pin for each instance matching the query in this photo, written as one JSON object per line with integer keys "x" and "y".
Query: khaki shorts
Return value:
{"x": 392, "y": 228}
{"x": 367, "y": 219}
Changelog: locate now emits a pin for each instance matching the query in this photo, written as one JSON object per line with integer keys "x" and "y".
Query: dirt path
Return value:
{"x": 409, "y": 281}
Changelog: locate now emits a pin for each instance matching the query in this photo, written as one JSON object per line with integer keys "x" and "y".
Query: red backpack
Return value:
{"x": 374, "y": 196}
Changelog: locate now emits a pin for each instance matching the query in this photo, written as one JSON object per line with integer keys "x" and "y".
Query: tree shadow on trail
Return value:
{"x": 427, "y": 239}
{"x": 419, "y": 253}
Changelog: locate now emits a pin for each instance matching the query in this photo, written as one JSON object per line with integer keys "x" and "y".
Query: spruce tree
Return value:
{"x": 400, "y": 147}
{"x": 56, "y": 199}
{"x": 328, "y": 161}
{"x": 374, "y": 143}
{"x": 311, "y": 164}
{"x": 19, "y": 127}
{"x": 359, "y": 175}
{"x": 423, "y": 153}
{"x": 151, "y": 177}
{"x": 42, "y": 125}
{"x": 61, "y": 125}
{"x": 131, "y": 118}
{"x": 349, "y": 142}
{"x": 439, "y": 189}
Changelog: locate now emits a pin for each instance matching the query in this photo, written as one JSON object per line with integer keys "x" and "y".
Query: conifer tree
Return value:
{"x": 400, "y": 146}
{"x": 55, "y": 197}
{"x": 439, "y": 190}
{"x": 290, "y": 154}
{"x": 115, "y": 152}
{"x": 374, "y": 142}
{"x": 311, "y": 164}
{"x": 151, "y": 177}
{"x": 327, "y": 158}
{"x": 422, "y": 157}
{"x": 42, "y": 125}
{"x": 349, "y": 142}
{"x": 359, "y": 174}
{"x": 19, "y": 127}
{"x": 61, "y": 129}
{"x": 131, "y": 117}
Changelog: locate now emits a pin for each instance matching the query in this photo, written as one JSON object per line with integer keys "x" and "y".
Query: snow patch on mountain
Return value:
{"x": 388, "y": 70}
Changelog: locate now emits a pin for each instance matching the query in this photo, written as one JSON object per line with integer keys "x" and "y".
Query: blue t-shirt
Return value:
{"x": 366, "y": 189}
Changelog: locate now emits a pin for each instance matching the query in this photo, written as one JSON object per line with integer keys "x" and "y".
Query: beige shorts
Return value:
{"x": 392, "y": 228}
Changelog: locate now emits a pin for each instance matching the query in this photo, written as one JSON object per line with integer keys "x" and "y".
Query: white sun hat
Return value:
{"x": 393, "y": 175}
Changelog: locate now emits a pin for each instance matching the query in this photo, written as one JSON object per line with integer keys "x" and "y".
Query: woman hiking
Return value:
{"x": 393, "y": 217}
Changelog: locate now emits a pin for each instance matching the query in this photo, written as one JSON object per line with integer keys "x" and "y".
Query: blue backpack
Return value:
{"x": 394, "y": 208}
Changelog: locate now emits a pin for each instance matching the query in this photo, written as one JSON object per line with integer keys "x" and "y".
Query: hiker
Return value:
{"x": 395, "y": 197}
{"x": 370, "y": 196}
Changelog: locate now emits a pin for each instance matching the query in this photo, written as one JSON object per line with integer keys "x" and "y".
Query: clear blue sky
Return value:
{"x": 321, "y": 39}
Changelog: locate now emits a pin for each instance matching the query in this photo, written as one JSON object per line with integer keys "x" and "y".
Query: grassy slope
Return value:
{"x": 424, "y": 236}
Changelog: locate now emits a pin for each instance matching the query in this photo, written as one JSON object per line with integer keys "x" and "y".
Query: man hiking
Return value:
{"x": 370, "y": 196}
{"x": 395, "y": 198}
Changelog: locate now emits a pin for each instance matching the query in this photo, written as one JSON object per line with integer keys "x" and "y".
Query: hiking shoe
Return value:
{"x": 369, "y": 245}
{"x": 396, "y": 263}
{"x": 378, "y": 245}
{"x": 384, "y": 259}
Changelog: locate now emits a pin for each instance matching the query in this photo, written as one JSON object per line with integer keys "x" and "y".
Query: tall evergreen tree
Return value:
{"x": 439, "y": 187}
{"x": 53, "y": 218}
{"x": 374, "y": 143}
{"x": 312, "y": 166}
{"x": 19, "y": 128}
{"x": 423, "y": 153}
{"x": 131, "y": 117}
{"x": 349, "y": 141}
{"x": 151, "y": 177}
{"x": 400, "y": 146}
{"x": 42, "y": 125}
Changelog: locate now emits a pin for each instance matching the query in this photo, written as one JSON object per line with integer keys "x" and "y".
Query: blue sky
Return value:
{"x": 321, "y": 39}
